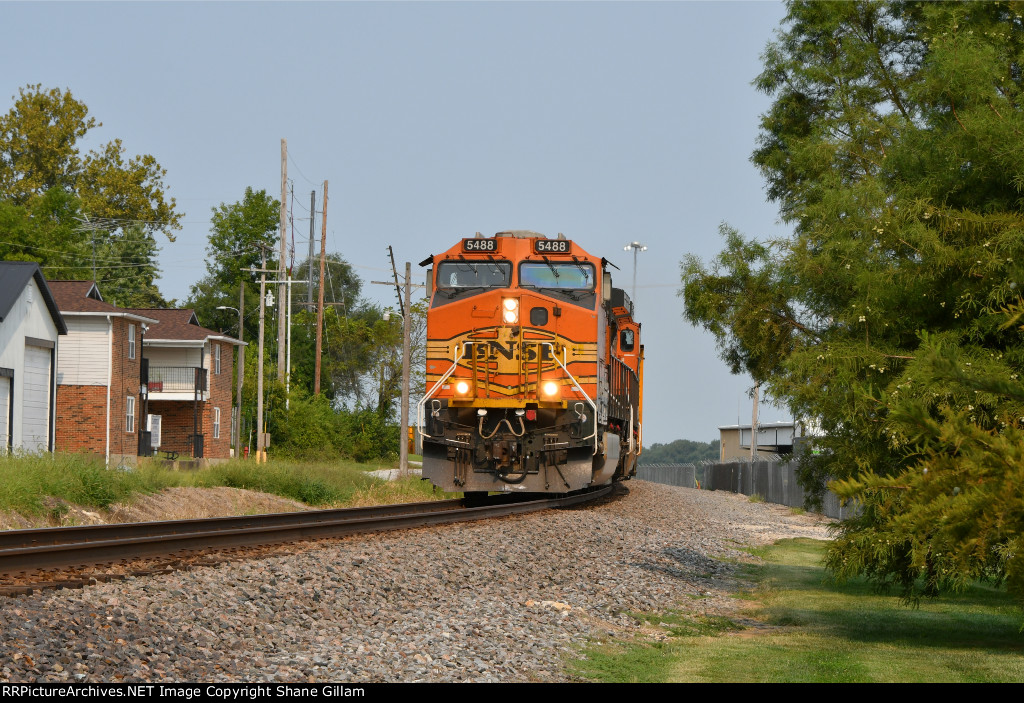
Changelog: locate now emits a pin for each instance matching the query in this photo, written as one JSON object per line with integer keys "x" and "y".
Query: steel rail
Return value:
{"x": 26, "y": 551}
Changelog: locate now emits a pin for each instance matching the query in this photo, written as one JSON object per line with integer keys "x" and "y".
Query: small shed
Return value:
{"x": 30, "y": 325}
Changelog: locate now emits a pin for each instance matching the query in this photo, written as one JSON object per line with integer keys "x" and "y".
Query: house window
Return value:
{"x": 216, "y": 423}
{"x": 216, "y": 358}
{"x": 129, "y": 414}
{"x": 131, "y": 342}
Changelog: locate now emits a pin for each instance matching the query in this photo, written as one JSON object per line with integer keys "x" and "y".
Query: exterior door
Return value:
{"x": 35, "y": 417}
{"x": 5, "y": 412}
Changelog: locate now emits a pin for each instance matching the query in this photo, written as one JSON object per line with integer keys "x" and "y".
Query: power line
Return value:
{"x": 101, "y": 221}
{"x": 292, "y": 160}
{"x": 98, "y": 268}
{"x": 72, "y": 255}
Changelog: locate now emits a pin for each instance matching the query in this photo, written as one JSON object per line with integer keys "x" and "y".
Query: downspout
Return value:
{"x": 10, "y": 416}
{"x": 197, "y": 394}
{"x": 144, "y": 421}
{"x": 53, "y": 396}
{"x": 110, "y": 380}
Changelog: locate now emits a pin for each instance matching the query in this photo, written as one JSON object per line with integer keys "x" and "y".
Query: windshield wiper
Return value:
{"x": 550, "y": 266}
{"x": 560, "y": 291}
{"x": 463, "y": 289}
{"x": 497, "y": 268}
{"x": 586, "y": 274}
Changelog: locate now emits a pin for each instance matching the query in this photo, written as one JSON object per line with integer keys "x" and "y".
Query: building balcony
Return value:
{"x": 177, "y": 383}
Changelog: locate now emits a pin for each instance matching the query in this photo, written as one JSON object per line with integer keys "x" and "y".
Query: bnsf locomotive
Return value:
{"x": 534, "y": 378}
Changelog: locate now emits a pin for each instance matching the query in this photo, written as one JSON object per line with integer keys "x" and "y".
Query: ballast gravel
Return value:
{"x": 498, "y": 600}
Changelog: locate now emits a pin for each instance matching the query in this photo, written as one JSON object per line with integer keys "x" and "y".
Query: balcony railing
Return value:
{"x": 177, "y": 379}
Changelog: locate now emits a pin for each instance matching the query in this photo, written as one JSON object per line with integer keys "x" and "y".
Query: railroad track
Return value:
{"x": 27, "y": 552}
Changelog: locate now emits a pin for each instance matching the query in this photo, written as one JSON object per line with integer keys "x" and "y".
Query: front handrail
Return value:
{"x": 421, "y": 406}
{"x": 579, "y": 388}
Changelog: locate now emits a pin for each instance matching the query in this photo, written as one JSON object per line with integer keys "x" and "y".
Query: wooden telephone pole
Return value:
{"x": 320, "y": 303}
{"x": 282, "y": 320}
{"x": 405, "y": 302}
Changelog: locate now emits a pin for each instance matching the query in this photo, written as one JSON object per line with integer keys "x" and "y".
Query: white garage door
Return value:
{"x": 35, "y": 415}
{"x": 5, "y": 411}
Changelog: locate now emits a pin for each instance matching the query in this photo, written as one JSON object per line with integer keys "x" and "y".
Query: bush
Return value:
{"x": 310, "y": 428}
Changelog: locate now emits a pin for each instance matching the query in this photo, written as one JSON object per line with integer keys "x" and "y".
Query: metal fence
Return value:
{"x": 773, "y": 480}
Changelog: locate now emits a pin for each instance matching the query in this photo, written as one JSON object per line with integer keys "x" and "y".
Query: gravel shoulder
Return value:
{"x": 500, "y": 600}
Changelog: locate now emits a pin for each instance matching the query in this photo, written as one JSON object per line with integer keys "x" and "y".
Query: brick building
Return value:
{"x": 99, "y": 375}
{"x": 137, "y": 382}
{"x": 190, "y": 384}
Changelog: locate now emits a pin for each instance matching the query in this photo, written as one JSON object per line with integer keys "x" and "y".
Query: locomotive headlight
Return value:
{"x": 462, "y": 388}
{"x": 511, "y": 310}
{"x": 550, "y": 389}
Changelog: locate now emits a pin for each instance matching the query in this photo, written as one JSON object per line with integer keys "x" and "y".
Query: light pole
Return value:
{"x": 236, "y": 434}
{"x": 636, "y": 247}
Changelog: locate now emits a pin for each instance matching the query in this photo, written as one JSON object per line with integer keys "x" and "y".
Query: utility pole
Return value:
{"x": 320, "y": 306}
{"x": 403, "y": 450}
{"x": 241, "y": 367}
{"x": 291, "y": 226}
{"x": 406, "y": 304}
{"x": 281, "y": 264}
{"x": 312, "y": 234}
{"x": 753, "y": 426}
{"x": 260, "y": 448}
{"x": 288, "y": 365}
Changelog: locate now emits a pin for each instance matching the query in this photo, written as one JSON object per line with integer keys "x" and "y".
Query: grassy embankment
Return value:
{"x": 37, "y": 485}
{"x": 810, "y": 629}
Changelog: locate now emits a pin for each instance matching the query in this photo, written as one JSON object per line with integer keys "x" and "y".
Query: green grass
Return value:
{"x": 27, "y": 482}
{"x": 808, "y": 629}
{"x": 37, "y": 486}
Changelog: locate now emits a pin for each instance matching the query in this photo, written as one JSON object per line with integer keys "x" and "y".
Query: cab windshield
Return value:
{"x": 574, "y": 276}
{"x": 464, "y": 278}
{"x": 474, "y": 274}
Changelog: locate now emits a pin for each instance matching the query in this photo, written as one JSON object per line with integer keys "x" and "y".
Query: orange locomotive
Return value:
{"x": 534, "y": 368}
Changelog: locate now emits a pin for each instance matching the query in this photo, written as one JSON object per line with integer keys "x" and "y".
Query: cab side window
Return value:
{"x": 626, "y": 340}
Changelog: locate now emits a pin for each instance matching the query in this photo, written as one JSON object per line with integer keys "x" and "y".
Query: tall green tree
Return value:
{"x": 39, "y": 150}
{"x": 893, "y": 147}
{"x": 77, "y": 213}
{"x": 342, "y": 287}
{"x": 239, "y": 232}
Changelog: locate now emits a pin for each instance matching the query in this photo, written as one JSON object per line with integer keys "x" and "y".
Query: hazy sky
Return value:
{"x": 609, "y": 122}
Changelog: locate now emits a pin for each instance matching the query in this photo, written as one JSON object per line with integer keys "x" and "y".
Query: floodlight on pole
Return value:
{"x": 636, "y": 247}
{"x": 228, "y": 307}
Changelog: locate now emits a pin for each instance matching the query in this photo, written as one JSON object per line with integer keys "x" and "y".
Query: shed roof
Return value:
{"x": 14, "y": 276}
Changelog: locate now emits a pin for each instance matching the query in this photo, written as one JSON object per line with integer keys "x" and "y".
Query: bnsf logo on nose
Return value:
{"x": 513, "y": 350}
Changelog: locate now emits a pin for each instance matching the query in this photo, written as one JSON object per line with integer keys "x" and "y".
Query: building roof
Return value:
{"x": 14, "y": 276}
{"x": 83, "y": 298}
{"x": 78, "y": 289}
{"x": 179, "y": 325}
